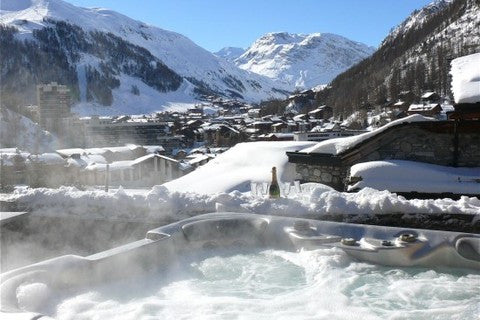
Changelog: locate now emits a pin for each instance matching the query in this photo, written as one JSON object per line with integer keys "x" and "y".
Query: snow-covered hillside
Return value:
{"x": 17, "y": 131}
{"x": 303, "y": 61}
{"x": 230, "y": 53}
{"x": 201, "y": 72}
{"x": 417, "y": 18}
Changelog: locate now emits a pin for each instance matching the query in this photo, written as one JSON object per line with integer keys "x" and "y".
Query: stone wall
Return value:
{"x": 415, "y": 144}
{"x": 412, "y": 142}
{"x": 330, "y": 175}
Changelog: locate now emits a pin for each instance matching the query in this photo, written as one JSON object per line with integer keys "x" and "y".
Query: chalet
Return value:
{"x": 148, "y": 170}
{"x": 276, "y": 137}
{"x": 323, "y": 112}
{"x": 399, "y": 105}
{"x": 263, "y": 126}
{"x": 280, "y": 127}
{"x": 254, "y": 112}
{"x": 220, "y": 135}
{"x": 428, "y": 110}
{"x": 430, "y": 97}
{"x": 436, "y": 142}
{"x": 407, "y": 96}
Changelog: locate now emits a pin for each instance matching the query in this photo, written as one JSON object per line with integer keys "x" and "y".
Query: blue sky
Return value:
{"x": 214, "y": 24}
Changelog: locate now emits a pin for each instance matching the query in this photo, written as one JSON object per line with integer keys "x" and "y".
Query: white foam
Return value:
{"x": 321, "y": 284}
{"x": 32, "y": 296}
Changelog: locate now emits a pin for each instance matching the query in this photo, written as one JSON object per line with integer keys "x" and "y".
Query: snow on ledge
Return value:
{"x": 410, "y": 176}
{"x": 159, "y": 204}
{"x": 466, "y": 78}
{"x": 339, "y": 145}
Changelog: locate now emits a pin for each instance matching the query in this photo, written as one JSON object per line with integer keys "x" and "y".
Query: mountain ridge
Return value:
{"x": 302, "y": 60}
{"x": 202, "y": 72}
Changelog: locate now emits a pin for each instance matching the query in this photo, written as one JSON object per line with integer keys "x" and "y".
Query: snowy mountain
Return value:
{"x": 303, "y": 61}
{"x": 415, "y": 57}
{"x": 111, "y": 60}
{"x": 230, "y": 53}
{"x": 417, "y": 18}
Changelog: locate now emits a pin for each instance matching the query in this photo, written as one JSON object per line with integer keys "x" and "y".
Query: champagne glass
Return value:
{"x": 265, "y": 186}
{"x": 297, "y": 186}
{"x": 254, "y": 189}
{"x": 286, "y": 189}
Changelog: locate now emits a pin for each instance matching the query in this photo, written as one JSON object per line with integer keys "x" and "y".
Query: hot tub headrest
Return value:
{"x": 237, "y": 227}
{"x": 469, "y": 248}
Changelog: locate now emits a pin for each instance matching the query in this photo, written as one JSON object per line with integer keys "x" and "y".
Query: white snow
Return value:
{"x": 230, "y": 53}
{"x": 235, "y": 168}
{"x": 48, "y": 159}
{"x": 160, "y": 204}
{"x": 338, "y": 145}
{"x": 223, "y": 184}
{"x": 21, "y": 132}
{"x": 302, "y": 60}
{"x": 409, "y": 176}
{"x": 417, "y": 18}
{"x": 466, "y": 78}
{"x": 149, "y": 100}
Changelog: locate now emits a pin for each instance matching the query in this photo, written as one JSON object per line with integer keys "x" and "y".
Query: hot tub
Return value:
{"x": 230, "y": 265}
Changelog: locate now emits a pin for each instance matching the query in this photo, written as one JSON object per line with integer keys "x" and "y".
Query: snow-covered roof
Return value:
{"x": 116, "y": 165}
{"x": 447, "y": 107}
{"x": 465, "y": 73}
{"x": 338, "y": 145}
{"x": 8, "y": 150}
{"x": 235, "y": 168}
{"x": 409, "y": 176}
{"x": 154, "y": 149}
{"x": 422, "y": 107}
{"x": 48, "y": 158}
{"x": 127, "y": 148}
{"x": 71, "y": 151}
{"x": 198, "y": 158}
{"x": 428, "y": 94}
{"x": 9, "y": 157}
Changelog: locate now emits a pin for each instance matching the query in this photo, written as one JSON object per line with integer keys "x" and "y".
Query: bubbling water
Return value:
{"x": 271, "y": 284}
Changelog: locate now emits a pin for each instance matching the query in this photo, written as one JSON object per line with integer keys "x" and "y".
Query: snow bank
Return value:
{"x": 466, "y": 78}
{"x": 237, "y": 167}
{"x": 339, "y": 145}
{"x": 160, "y": 204}
{"x": 408, "y": 176}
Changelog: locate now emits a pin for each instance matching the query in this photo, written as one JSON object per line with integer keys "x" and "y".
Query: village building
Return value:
{"x": 437, "y": 142}
{"x": 428, "y": 109}
{"x": 53, "y": 105}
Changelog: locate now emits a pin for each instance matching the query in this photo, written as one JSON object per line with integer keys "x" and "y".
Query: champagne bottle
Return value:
{"x": 274, "y": 190}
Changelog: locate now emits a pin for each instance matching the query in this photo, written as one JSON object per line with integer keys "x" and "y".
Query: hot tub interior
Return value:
{"x": 251, "y": 266}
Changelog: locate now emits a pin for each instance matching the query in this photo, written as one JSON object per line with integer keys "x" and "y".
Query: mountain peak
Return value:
{"x": 417, "y": 18}
{"x": 302, "y": 60}
{"x": 230, "y": 53}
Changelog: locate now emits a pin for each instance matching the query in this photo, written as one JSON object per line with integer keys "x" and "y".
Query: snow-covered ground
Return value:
{"x": 237, "y": 167}
{"x": 466, "y": 78}
{"x": 409, "y": 176}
